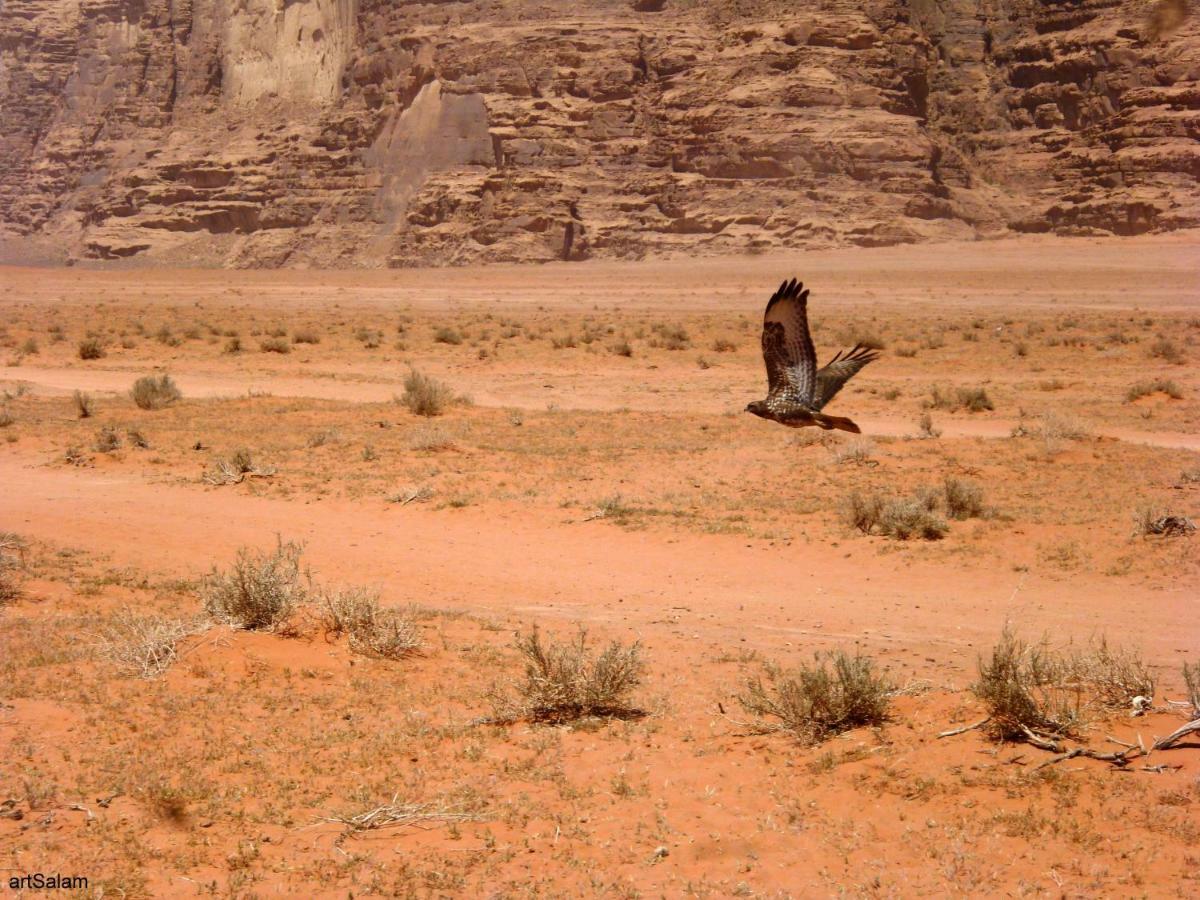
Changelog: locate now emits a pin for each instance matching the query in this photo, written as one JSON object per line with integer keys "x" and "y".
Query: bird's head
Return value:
{"x": 758, "y": 407}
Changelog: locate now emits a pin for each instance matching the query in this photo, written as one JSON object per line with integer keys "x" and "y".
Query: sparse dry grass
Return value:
{"x": 143, "y": 644}
{"x": 372, "y": 630}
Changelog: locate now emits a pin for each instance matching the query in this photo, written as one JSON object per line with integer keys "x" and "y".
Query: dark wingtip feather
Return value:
{"x": 788, "y": 290}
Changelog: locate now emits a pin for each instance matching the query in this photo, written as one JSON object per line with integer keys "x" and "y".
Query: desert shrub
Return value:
{"x": 964, "y": 499}
{"x": 621, "y": 348}
{"x": 91, "y": 348}
{"x": 912, "y": 518}
{"x": 371, "y": 340}
{"x": 83, "y": 404}
{"x": 137, "y": 439}
{"x": 858, "y": 334}
{"x": 260, "y": 592}
{"x": 1191, "y": 679}
{"x": 6, "y": 417}
{"x": 235, "y": 468}
{"x": 425, "y": 396}
{"x": 233, "y": 345}
{"x": 834, "y": 694}
{"x": 30, "y": 347}
{"x": 971, "y": 399}
{"x": 150, "y": 392}
{"x": 564, "y": 341}
{"x": 1150, "y": 521}
{"x": 671, "y": 337}
{"x": 926, "y": 429}
{"x": 12, "y": 549}
{"x": 906, "y": 352}
{"x": 143, "y": 645}
{"x": 1035, "y": 688}
{"x": 858, "y": 450}
{"x": 1053, "y": 384}
{"x": 446, "y": 335}
{"x": 107, "y": 440}
{"x": 864, "y": 512}
{"x": 723, "y": 345}
{"x": 372, "y": 630}
{"x": 1020, "y": 688}
{"x": 275, "y": 345}
{"x": 1158, "y": 385}
{"x": 566, "y": 681}
{"x": 1113, "y": 675}
{"x": 321, "y": 438}
{"x": 1167, "y": 350}
{"x": 431, "y": 439}
{"x": 974, "y": 399}
{"x": 306, "y": 336}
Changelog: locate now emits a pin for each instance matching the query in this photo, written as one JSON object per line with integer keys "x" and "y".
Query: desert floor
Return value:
{"x": 604, "y": 474}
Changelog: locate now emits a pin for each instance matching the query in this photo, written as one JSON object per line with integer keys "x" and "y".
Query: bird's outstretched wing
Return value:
{"x": 839, "y": 370}
{"x": 787, "y": 346}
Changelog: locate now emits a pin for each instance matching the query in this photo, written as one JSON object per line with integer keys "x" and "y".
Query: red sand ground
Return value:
{"x": 726, "y": 550}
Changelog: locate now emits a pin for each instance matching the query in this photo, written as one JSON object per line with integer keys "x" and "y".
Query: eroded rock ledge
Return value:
{"x": 386, "y": 133}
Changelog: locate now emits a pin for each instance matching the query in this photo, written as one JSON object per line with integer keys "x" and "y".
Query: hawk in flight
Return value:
{"x": 797, "y": 389}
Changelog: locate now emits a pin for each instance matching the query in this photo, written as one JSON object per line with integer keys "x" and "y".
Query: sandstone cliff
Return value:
{"x": 387, "y": 132}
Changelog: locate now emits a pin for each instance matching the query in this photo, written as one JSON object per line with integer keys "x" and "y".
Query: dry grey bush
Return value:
{"x": 1150, "y": 521}
{"x": 971, "y": 399}
{"x": 1146, "y": 388}
{"x": 150, "y": 392}
{"x": 372, "y": 630}
{"x": 1036, "y": 689}
{"x": 425, "y": 396}
{"x": 565, "y": 681}
{"x": 856, "y": 450}
{"x": 83, "y": 404}
{"x": 926, "y": 429}
{"x": 816, "y": 701}
{"x": 899, "y": 518}
{"x": 236, "y": 469}
{"x": 1113, "y": 676}
{"x": 261, "y": 591}
{"x": 144, "y": 645}
{"x": 107, "y": 440}
{"x": 12, "y": 554}
{"x": 1191, "y": 677}
{"x": 1021, "y": 690}
{"x": 963, "y": 499}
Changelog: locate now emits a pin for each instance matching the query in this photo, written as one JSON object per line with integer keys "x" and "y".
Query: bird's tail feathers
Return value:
{"x": 831, "y": 422}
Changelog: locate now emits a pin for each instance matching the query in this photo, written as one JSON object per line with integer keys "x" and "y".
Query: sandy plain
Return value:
{"x": 603, "y": 474}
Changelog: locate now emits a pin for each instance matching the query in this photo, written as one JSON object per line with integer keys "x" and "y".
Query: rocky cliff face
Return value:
{"x": 387, "y": 132}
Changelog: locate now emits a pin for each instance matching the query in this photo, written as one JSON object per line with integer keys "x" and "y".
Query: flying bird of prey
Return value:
{"x": 797, "y": 390}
